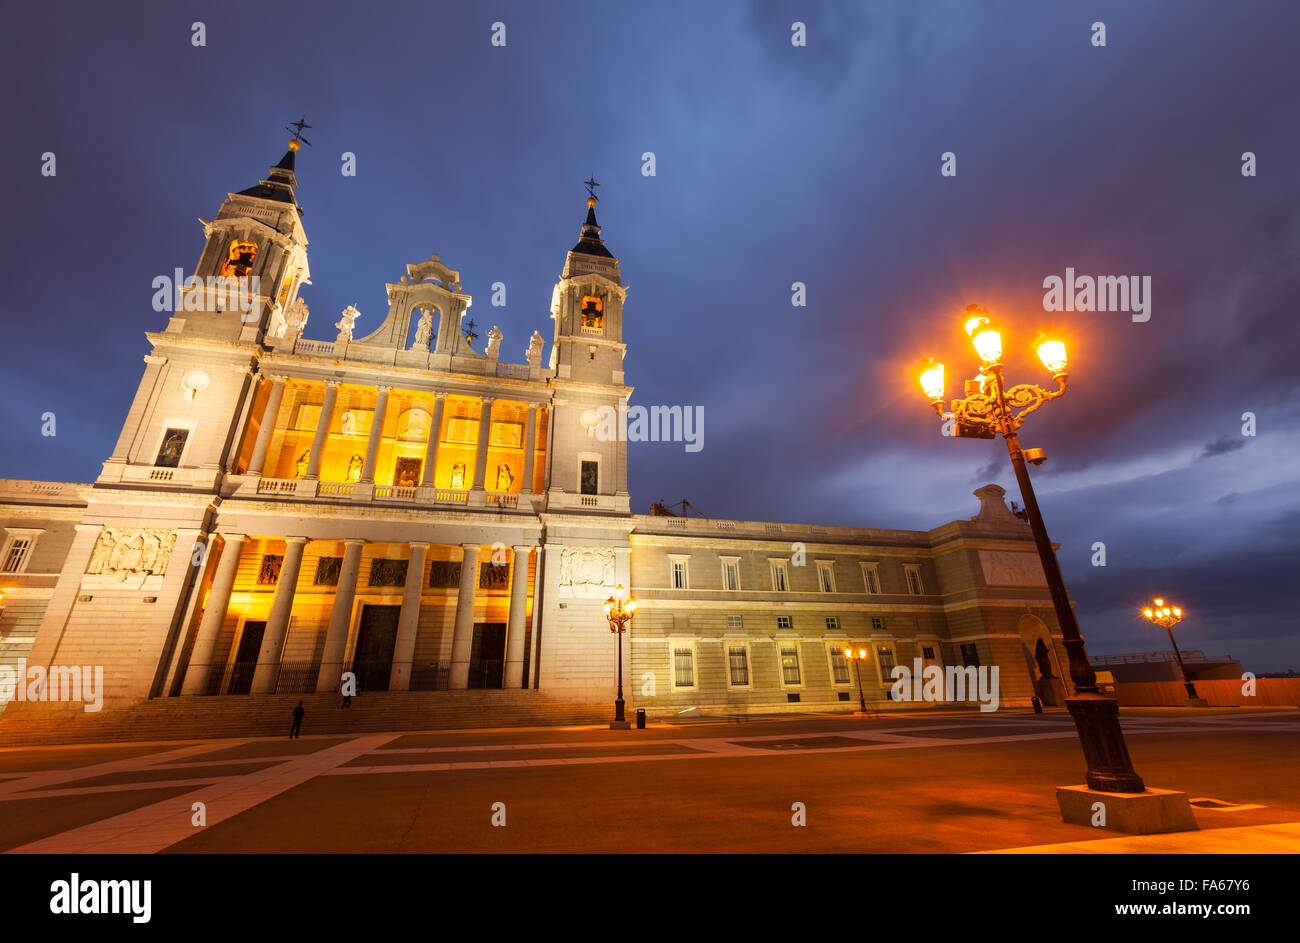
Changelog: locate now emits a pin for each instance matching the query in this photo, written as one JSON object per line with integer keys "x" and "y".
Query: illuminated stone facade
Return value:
{"x": 399, "y": 504}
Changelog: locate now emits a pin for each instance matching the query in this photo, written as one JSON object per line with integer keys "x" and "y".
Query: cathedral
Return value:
{"x": 407, "y": 511}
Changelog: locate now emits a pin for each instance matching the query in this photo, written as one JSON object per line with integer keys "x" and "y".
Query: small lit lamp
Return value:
{"x": 619, "y": 609}
{"x": 858, "y": 656}
{"x": 987, "y": 340}
{"x": 932, "y": 384}
{"x": 1167, "y": 617}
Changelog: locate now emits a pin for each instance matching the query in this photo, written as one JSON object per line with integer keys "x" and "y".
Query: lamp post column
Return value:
{"x": 1096, "y": 717}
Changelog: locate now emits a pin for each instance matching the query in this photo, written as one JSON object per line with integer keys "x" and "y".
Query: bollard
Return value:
{"x": 640, "y": 718}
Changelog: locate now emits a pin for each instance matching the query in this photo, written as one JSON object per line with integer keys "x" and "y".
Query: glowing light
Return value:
{"x": 932, "y": 381}
{"x": 988, "y": 344}
{"x": 1052, "y": 354}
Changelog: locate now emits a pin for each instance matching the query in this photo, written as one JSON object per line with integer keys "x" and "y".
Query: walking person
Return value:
{"x": 297, "y": 721}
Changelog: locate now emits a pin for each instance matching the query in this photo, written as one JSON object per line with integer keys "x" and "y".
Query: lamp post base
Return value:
{"x": 1147, "y": 813}
{"x": 1096, "y": 718}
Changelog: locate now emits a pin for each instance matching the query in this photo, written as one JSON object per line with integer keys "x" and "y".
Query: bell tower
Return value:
{"x": 183, "y": 428}
{"x": 589, "y": 456}
{"x": 254, "y": 261}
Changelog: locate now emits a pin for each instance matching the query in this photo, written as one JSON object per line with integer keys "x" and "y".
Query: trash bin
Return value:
{"x": 640, "y": 718}
{"x": 1038, "y": 704}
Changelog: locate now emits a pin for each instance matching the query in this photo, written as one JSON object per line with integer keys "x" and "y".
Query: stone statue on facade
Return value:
{"x": 347, "y": 323}
{"x": 494, "y": 343}
{"x": 423, "y": 330}
{"x": 296, "y": 318}
{"x": 534, "y": 353}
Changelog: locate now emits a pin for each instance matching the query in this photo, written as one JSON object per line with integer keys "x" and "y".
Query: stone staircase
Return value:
{"x": 267, "y": 715}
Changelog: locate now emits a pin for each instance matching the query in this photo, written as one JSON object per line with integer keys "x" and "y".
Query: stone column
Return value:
{"x": 376, "y": 433}
{"x": 336, "y": 638}
{"x": 49, "y": 636}
{"x": 135, "y": 416}
{"x": 198, "y": 673}
{"x": 484, "y": 434}
{"x": 269, "y": 415}
{"x": 322, "y": 429}
{"x": 518, "y": 616}
{"x": 462, "y": 638}
{"x": 268, "y": 659}
{"x": 409, "y": 621}
{"x": 435, "y": 433}
{"x": 530, "y": 448}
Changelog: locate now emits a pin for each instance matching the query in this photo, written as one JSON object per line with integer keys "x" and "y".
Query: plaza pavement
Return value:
{"x": 914, "y": 782}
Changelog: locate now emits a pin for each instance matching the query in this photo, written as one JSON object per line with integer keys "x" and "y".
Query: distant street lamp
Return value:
{"x": 618, "y": 610}
{"x": 1168, "y": 617}
{"x": 989, "y": 408}
{"x": 858, "y": 657}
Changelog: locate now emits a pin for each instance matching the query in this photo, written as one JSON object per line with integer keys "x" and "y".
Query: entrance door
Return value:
{"x": 487, "y": 657}
{"x": 373, "y": 659}
{"x": 250, "y": 644}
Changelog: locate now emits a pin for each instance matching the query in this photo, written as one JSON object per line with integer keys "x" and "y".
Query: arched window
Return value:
{"x": 593, "y": 315}
{"x": 239, "y": 259}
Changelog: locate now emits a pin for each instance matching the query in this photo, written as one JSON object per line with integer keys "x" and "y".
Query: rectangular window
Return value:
{"x": 16, "y": 556}
{"x": 173, "y": 444}
{"x": 839, "y": 665}
{"x": 826, "y": 577}
{"x": 780, "y": 578}
{"x": 735, "y": 622}
{"x": 872, "y": 578}
{"x": 684, "y": 667}
{"x": 738, "y": 659}
{"x": 970, "y": 655}
{"x": 886, "y": 663}
{"x": 590, "y": 477}
{"x": 877, "y": 623}
{"x": 679, "y": 574}
{"x": 269, "y": 573}
{"x": 913, "y": 580}
{"x": 731, "y": 574}
{"x": 327, "y": 571}
{"x": 927, "y": 652}
{"x": 790, "y": 663}
{"x": 832, "y": 622}
{"x": 784, "y": 622}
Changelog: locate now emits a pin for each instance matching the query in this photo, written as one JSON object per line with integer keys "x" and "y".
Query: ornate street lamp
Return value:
{"x": 858, "y": 657}
{"x": 618, "y": 610}
{"x": 988, "y": 409}
{"x": 1168, "y": 617}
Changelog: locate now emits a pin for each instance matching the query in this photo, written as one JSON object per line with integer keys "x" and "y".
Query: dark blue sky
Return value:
{"x": 775, "y": 164}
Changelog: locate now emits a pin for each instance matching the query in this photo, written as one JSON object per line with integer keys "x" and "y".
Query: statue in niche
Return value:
{"x": 346, "y": 324}
{"x": 355, "y": 466}
{"x": 458, "y": 475}
{"x": 1044, "y": 660}
{"x": 423, "y": 330}
{"x": 494, "y": 343}
{"x": 296, "y": 318}
{"x": 534, "y": 352}
{"x": 504, "y": 478}
{"x": 349, "y": 424}
{"x": 303, "y": 461}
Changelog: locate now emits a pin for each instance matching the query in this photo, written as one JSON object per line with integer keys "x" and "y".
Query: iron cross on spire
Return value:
{"x": 296, "y": 127}
{"x": 591, "y": 185}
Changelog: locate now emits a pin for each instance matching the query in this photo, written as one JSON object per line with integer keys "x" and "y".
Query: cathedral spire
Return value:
{"x": 590, "y": 242}
{"x": 281, "y": 178}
